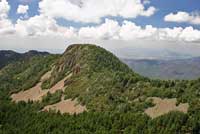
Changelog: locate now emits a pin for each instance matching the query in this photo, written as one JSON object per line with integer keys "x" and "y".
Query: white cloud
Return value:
{"x": 130, "y": 31}
{"x": 22, "y": 9}
{"x": 43, "y": 32}
{"x": 4, "y": 9}
{"x": 45, "y": 24}
{"x": 169, "y": 33}
{"x": 42, "y": 26}
{"x": 193, "y": 18}
{"x": 107, "y": 30}
{"x": 6, "y": 26}
{"x": 92, "y": 11}
{"x": 190, "y": 34}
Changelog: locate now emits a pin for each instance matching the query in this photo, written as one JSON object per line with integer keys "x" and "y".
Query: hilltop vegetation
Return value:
{"x": 101, "y": 78}
{"x": 114, "y": 95}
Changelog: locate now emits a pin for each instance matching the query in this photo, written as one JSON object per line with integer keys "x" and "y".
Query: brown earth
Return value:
{"x": 36, "y": 93}
{"x": 46, "y": 76}
{"x": 60, "y": 85}
{"x": 164, "y": 106}
{"x": 66, "y": 106}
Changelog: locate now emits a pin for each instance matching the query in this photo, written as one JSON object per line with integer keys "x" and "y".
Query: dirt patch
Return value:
{"x": 163, "y": 106}
{"x": 36, "y": 93}
{"x": 60, "y": 85}
{"x": 66, "y": 106}
{"x": 46, "y": 76}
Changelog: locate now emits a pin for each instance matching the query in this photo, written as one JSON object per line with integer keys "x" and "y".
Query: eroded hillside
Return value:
{"x": 89, "y": 78}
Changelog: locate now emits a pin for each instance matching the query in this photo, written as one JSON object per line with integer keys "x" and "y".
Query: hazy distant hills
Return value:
{"x": 8, "y": 56}
{"x": 153, "y": 53}
{"x": 166, "y": 69}
{"x": 186, "y": 68}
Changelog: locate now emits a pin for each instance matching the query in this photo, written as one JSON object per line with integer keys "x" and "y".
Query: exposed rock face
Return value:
{"x": 76, "y": 69}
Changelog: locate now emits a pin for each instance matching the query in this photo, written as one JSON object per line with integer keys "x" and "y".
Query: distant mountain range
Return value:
{"x": 8, "y": 56}
{"x": 150, "y": 53}
{"x": 166, "y": 69}
{"x": 186, "y": 68}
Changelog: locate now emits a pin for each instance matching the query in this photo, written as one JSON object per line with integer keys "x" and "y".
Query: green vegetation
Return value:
{"x": 52, "y": 98}
{"x": 23, "y": 74}
{"x": 8, "y": 56}
{"x": 114, "y": 95}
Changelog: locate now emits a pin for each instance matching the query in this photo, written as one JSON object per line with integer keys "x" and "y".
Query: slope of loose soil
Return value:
{"x": 66, "y": 106}
{"x": 36, "y": 93}
{"x": 163, "y": 106}
{"x": 46, "y": 76}
{"x": 60, "y": 85}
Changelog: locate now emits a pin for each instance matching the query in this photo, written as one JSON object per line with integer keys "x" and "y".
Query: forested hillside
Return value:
{"x": 115, "y": 96}
{"x": 8, "y": 56}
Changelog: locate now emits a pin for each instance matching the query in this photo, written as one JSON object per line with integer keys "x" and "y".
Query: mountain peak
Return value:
{"x": 93, "y": 71}
{"x": 93, "y": 56}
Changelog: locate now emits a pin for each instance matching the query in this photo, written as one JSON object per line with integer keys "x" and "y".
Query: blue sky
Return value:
{"x": 53, "y": 24}
{"x": 33, "y": 5}
{"x": 164, "y": 7}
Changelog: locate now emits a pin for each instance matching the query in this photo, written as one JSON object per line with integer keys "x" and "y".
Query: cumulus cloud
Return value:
{"x": 169, "y": 33}
{"x": 192, "y": 18}
{"x": 130, "y": 31}
{"x": 92, "y": 11}
{"x": 22, "y": 9}
{"x": 190, "y": 34}
{"x": 6, "y": 26}
{"x": 4, "y": 9}
{"x": 107, "y": 30}
{"x": 45, "y": 23}
{"x": 41, "y": 25}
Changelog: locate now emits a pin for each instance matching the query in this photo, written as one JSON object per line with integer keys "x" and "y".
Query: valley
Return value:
{"x": 182, "y": 69}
